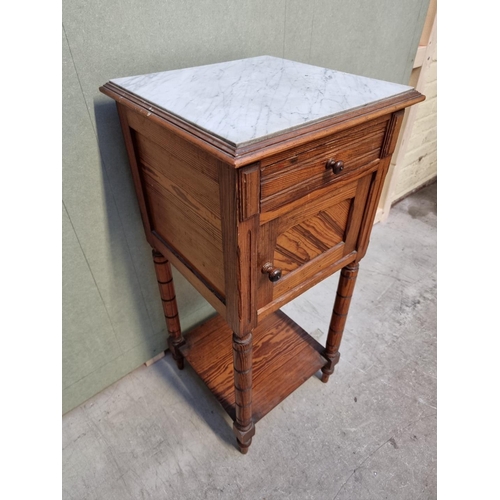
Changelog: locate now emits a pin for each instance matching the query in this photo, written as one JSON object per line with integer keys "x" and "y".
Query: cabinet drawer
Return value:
{"x": 294, "y": 174}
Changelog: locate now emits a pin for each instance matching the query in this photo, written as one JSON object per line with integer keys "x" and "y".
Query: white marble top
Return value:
{"x": 248, "y": 100}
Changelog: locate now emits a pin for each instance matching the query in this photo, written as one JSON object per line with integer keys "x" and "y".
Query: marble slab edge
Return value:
{"x": 250, "y": 152}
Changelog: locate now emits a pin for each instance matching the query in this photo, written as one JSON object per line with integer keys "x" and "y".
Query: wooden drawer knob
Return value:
{"x": 274, "y": 273}
{"x": 336, "y": 166}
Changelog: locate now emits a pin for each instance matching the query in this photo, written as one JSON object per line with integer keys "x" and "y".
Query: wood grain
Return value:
{"x": 297, "y": 215}
{"x": 303, "y": 171}
{"x": 392, "y": 133}
{"x": 312, "y": 237}
{"x": 186, "y": 179}
{"x": 357, "y": 210}
{"x": 169, "y": 304}
{"x": 205, "y": 219}
{"x": 240, "y": 240}
{"x": 371, "y": 207}
{"x": 345, "y": 290}
{"x": 244, "y": 427}
{"x": 186, "y": 232}
{"x": 323, "y": 196}
{"x": 268, "y": 234}
{"x": 190, "y": 154}
{"x": 249, "y": 189}
{"x": 284, "y": 357}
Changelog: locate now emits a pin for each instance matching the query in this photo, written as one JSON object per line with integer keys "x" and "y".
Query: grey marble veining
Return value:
{"x": 248, "y": 100}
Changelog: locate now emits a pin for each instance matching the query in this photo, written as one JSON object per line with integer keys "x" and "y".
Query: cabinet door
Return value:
{"x": 314, "y": 236}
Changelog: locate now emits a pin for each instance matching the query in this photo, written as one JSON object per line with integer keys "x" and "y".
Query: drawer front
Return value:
{"x": 292, "y": 175}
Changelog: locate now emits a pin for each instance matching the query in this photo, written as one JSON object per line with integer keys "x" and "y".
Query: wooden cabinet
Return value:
{"x": 256, "y": 188}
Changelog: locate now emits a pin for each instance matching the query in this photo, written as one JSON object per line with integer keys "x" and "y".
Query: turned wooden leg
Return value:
{"x": 243, "y": 427}
{"x": 167, "y": 293}
{"x": 345, "y": 290}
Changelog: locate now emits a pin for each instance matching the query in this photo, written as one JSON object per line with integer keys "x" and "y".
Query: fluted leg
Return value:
{"x": 243, "y": 427}
{"x": 167, "y": 293}
{"x": 345, "y": 290}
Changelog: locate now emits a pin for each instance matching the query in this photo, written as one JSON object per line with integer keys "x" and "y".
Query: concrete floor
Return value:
{"x": 370, "y": 433}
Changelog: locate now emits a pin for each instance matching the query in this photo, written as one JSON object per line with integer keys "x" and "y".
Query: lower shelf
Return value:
{"x": 284, "y": 357}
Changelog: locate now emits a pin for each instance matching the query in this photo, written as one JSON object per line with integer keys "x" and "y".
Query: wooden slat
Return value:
{"x": 356, "y": 214}
{"x": 186, "y": 203}
{"x": 419, "y": 56}
{"x": 186, "y": 151}
{"x": 278, "y": 343}
{"x": 391, "y": 135}
{"x": 240, "y": 243}
{"x": 199, "y": 242}
{"x": 423, "y": 61}
{"x": 189, "y": 180}
{"x": 430, "y": 18}
{"x": 371, "y": 207}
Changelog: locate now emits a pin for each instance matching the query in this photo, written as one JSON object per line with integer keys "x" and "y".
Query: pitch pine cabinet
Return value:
{"x": 257, "y": 179}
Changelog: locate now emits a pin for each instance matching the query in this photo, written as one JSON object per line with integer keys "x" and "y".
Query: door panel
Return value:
{"x": 312, "y": 238}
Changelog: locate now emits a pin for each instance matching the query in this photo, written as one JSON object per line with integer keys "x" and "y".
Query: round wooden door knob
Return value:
{"x": 274, "y": 273}
{"x": 336, "y": 166}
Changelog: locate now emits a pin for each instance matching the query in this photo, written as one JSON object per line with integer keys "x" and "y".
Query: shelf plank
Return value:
{"x": 284, "y": 357}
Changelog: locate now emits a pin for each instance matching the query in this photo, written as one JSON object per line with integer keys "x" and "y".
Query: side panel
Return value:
{"x": 178, "y": 191}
